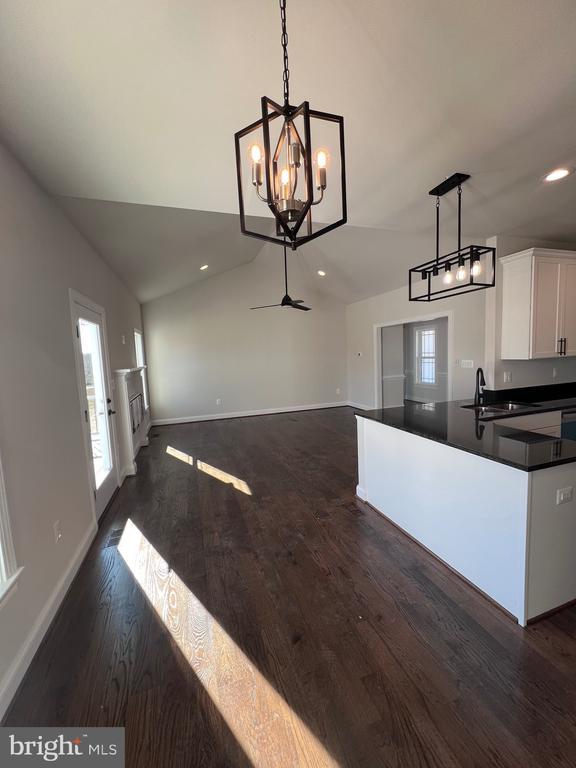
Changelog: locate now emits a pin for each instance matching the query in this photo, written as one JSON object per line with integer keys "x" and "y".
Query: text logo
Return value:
{"x": 62, "y": 746}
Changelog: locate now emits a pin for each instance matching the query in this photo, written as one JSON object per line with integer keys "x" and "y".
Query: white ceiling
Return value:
{"x": 157, "y": 250}
{"x": 137, "y": 102}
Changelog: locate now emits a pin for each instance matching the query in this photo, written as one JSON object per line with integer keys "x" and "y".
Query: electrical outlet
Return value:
{"x": 507, "y": 377}
{"x": 337, "y": 390}
{"x": 57, "y": 532}
{"x": 123, "y": 339}
{"x": 466, "y": 363}
{"x": 564, "y": 495}
{"x": 218, "y": 401}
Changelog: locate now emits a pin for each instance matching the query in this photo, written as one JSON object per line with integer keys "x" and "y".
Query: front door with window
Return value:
{"x": 96, "y": 403}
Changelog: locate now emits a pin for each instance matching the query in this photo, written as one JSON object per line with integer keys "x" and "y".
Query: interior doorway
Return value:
{"x": 414, "y": 362}
{"x": 93, "y": 372}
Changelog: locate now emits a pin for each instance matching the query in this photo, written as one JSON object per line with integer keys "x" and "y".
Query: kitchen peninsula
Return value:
{"x": 495, "y": 503}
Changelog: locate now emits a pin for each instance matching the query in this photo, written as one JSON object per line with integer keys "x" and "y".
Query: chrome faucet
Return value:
{"x": 480, "y": 382}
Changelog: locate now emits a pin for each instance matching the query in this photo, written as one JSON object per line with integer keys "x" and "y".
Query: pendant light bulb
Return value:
{"x": 448, "y": 276}
{"x": 255, "y": 153}
{"x": 476, "y": 269}
{"x": 284, "y": 176}
{"x": 461, "y": 273}
{"x": 321, "y": 158}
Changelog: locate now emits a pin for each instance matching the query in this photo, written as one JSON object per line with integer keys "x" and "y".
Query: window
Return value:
{"x": 8, "y": 570}
{"x": 141, "y": 361}
{"x": 426, "y": 355}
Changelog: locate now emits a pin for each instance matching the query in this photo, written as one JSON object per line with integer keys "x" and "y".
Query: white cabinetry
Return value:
{"x": 538, "y": 307}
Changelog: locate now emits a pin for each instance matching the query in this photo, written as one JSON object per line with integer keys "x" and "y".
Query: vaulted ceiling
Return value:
{"x": 136, "y": 103}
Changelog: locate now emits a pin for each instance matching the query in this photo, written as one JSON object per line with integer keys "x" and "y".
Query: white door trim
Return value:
{"x": 79, "y": 300}
{"x": 447, "y": 313}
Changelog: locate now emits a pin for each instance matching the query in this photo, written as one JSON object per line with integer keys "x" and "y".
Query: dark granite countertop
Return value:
{"x": 459, "y": 427}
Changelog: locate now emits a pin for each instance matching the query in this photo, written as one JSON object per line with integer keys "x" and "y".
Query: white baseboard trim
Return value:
{"x": 17, "y": 670}
{"x": 361, "y": 493}
{"x": 360, "y": 406}
{"x": 240, "y": 414}
{"x": 128, "y": 471}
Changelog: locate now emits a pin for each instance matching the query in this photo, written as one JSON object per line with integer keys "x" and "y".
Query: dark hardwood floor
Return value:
{"x": 258, "y": 614}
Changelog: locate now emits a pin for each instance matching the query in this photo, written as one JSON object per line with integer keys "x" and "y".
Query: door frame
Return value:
{"x": 447, "y": 313}
{"x": 78, "y": 299}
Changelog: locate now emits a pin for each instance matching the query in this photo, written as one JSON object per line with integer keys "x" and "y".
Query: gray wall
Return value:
{"x": 41, "y": 444}
{"x": 203, "y": 344}
{"x": 362, "y": 318}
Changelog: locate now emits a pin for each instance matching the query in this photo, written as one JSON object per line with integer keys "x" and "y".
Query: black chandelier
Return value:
{"x": 472, "y": 268}
{"x": 290, "y": 173}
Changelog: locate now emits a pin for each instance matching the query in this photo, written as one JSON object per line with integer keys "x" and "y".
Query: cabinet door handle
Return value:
{"x": 559, "y": 346}
{"x": 564, "y": 340}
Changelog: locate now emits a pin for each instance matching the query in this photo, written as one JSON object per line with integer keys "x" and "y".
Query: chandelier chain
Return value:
{"x": 284, "y": 41}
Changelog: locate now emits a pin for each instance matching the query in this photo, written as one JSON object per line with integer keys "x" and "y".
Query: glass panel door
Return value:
{"x": 97, "y": 411}
{"x": 94, "y": 377}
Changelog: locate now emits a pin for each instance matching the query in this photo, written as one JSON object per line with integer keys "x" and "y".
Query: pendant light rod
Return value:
{"x": 285, "y": 271}
{"x": 284, "y": 41}
{"x": 459, "y": 218}
{"x": 437, "y": 229}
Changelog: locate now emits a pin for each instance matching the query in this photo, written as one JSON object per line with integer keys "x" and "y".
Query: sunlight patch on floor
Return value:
{"x": 185, "y": 457}
{"x": 208, "y": 469}
{"x": 268, "y": 730}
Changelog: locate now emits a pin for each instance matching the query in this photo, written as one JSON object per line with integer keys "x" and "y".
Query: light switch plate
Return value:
{"x": 564, "y": 495}
{"x": 466, "y": 363}
{"x": 507, "y": 377}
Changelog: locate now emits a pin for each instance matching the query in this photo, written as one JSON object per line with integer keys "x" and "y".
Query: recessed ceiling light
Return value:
{"x": 321, "y": 273}
{"x": 557, "y": 174}
{"x": 203, "y": 267}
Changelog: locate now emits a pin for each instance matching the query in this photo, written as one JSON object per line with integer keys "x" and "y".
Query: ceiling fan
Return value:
{"x": 287, "y": 301}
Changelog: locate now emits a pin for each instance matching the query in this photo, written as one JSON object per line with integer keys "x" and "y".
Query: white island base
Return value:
{"x": 499, "y": 527}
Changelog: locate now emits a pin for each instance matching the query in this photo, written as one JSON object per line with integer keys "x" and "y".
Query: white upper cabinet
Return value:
{"x": 538, "y": 304}
{"x": 568, "y": 303}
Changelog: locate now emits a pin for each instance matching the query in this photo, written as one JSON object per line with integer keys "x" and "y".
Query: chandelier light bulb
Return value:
{"x": 448, "y": 277}
{"x": 461, "y": 273}
{"x": 284, "y": 176}
{"x": 255, "y": 153}
{"x": 476, "y": 269}
{"x": 321, "y": 162}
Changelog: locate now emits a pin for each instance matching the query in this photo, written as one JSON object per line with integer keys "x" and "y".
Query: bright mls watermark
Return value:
{"x": 33, "y": 747}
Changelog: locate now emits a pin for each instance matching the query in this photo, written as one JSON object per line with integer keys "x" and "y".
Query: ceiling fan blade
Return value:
{"x": 298, "y": 301}
{"x": 267, "y": 306}
{"x": 300, "y": 306}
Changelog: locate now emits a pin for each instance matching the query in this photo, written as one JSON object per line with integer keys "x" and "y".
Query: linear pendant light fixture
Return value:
{"x": 284, "y": 168}
{"x": 468, "y": 269}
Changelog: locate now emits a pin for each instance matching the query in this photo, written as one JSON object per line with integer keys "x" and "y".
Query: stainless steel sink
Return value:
{"x": 481, "y": 409}
{"x": 497, "y": 408}
{"x": 510, "y": 406}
